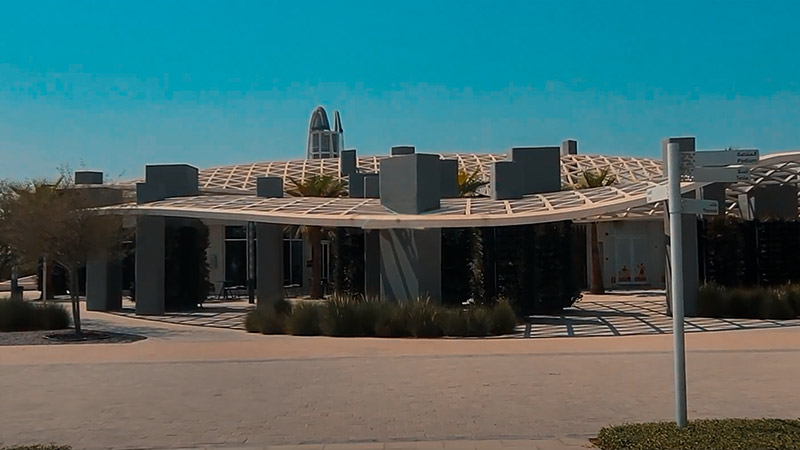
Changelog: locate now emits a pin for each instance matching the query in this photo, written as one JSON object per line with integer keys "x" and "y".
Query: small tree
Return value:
{"x": 317, "y": 186}
{"x": 57, "y": 221}
{"x": 470, "y": 185}
{"x": 586, "y": 180}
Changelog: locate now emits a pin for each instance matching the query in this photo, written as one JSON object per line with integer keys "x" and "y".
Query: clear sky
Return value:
{"x": 113, "y": 85}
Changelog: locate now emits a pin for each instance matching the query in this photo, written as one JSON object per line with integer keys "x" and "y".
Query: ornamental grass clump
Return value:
{"x": 265, "y": 320}
{"x": 305, "y": 319}
{"x": 344, "y": 316}
{"x": 22, "y": 315}
{"x": 781, "y": 302}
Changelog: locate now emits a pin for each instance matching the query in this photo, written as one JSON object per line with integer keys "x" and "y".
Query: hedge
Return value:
{"x": 21, "y": 315}
{"x": 349, "y": 317}
{"x": 781, "y": 302}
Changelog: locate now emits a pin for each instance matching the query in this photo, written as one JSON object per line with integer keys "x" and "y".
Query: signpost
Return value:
{"x": 703, "y": 167}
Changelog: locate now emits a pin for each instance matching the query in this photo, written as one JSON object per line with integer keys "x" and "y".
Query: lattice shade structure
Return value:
{"x": 229, "y": 195}
{"x": 369, "y": 213}
{"x": 242, "y": 177}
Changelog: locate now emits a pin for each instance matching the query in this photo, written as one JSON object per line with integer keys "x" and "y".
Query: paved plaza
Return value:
{"x": 616, "y": 314}
{"x": 202, "y": 387}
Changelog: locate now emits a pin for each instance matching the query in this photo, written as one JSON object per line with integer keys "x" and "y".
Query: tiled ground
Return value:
{"x": 616, "y": 314}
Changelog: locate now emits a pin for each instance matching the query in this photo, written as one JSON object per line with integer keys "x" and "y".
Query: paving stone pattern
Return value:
{"x": 620, "y": 314}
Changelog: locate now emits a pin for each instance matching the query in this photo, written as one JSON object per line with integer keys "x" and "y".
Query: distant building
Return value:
{"x": 322, "y": 141}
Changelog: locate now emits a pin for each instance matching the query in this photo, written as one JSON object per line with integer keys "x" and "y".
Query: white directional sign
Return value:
{"x": 719, "y": 174}
{"x": 705, "y": 207}
{"x": 719, "y": 158}
{"x": 657, "y": 193}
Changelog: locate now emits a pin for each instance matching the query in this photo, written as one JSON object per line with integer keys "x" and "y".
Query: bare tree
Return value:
{"x": 57, "y": 221}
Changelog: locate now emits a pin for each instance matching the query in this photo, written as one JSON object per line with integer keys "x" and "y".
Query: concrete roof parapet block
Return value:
{"x": 372, "y": 188}
{"x": 355, "y": 185}
{"x": 409, "y": 184}
{"x": 398, "y": 150}
{"x": 449, "y": 178}
{"x": 348, "y": 163}
{"x": 149, "y": 192}
{"x": 540, "y": 168}
{"x": 178, "y": 180}
{"x": 505, "y": 180}
{"x": 269, "y": 187}
{"x": 569, "y": 147}
{"x": 88, "y": 177}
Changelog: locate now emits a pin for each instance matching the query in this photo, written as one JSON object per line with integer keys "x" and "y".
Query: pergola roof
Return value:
{"x": 625, "y": 200}
{"x": 242, "y": 177}
{"x": 369, "y": 213}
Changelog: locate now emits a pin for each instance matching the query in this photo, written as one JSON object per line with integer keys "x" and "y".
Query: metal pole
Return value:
{"x": 676, "y": 278}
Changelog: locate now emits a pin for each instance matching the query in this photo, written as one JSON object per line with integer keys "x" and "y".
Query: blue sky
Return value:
{"x": 115, "y": 85}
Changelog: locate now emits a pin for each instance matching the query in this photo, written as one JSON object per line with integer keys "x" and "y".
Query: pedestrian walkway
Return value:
{"x": 614, "y": 314}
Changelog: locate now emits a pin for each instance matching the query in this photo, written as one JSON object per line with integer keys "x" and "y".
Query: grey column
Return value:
{"x": 269, "y": 263}
{"x": 103, "y": 282}
{"x": 411, "y": 264}
{"x": 691, "y": 269}
{"x": 372, "y": 264}
{"x": 150, "y": 265}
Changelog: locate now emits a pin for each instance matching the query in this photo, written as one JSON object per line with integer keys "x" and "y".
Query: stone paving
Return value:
{"x": 616, "y": 314}
{"x": 202, "y": 387}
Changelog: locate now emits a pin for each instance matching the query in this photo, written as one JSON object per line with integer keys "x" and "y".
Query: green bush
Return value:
{"x": 723, "y": 434}
{"x": 781, "y": 302}
{"x": 305, "y": 319}
{"x": 350, "y": 317}
{"x": 503, "y": 318}
{"x": 354, "y": 317}
{"x": 423, "y": 319}
{"x": 21, "y": 315}
{"x": 391, "y": 322}
{"x": 265, "y": 320}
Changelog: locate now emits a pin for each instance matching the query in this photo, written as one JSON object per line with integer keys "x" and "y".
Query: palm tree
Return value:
{"x": 317, "y": 186}
{"x": 586, "y": 180}
{"x": 470, "y": 183}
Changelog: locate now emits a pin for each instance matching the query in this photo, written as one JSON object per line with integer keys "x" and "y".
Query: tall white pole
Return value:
{"x": 676, "y": 259}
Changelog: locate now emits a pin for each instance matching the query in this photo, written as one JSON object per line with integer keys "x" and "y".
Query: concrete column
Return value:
{"x": 269, "y": 265}
{"x": 103, "y": 282}
{"x": 691, "y": 269}
{"x": 216, "y": 255}
{"x": 411, "y": 264}
{"x": 150, "y": 265}
{"x": 372, "y": 263}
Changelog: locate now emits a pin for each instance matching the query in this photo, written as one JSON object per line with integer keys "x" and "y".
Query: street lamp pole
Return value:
{"x": 676, "y": 278}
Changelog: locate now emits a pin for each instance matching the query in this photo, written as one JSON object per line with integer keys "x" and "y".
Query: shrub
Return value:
{"x": 470, "y": 322}
{"x": 749, "y": 303}
{"x": 391, "y": 322}
{"x": 423, "y": 319}
{"x": 265, "y": 320}
{"x": 728, "y": 434}
{"x": 503, "y": 318}
{"x": 305, "y": 320}
{"x": 282, "y": 306}
{"x": 21, "y": 315}
{"x": 350, "y": 317}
